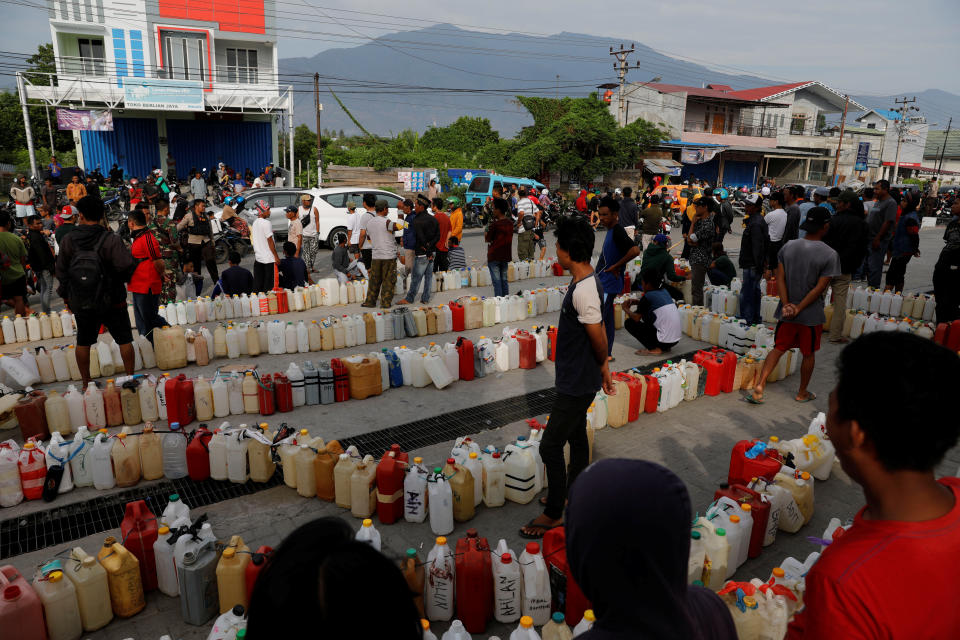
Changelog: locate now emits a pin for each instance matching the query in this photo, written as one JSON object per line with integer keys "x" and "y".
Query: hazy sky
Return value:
{"x": 875, "y": 47}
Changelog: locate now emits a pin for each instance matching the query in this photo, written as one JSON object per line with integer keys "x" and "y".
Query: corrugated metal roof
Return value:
{"x": 759, "y": 93}
{"x": 935, "y": 142}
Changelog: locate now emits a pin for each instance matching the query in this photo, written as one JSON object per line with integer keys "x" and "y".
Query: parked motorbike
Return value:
{"x": 229, "y": 239}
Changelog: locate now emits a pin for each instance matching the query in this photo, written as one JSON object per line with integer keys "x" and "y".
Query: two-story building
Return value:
{"x": 910, "y": 136}
{"x": 194, "y": 78}
{"x": 779, "y": 131}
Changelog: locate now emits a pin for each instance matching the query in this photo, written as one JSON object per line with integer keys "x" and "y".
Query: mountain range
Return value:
{"x": 431, "y": 76}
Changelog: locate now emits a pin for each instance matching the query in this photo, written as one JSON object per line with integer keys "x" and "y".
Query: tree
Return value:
{"x": 465, "y": 136}
{"x": 42, "y": 62}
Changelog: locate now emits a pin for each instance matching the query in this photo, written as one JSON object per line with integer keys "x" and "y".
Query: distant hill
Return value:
{"x": 445, "y": 56}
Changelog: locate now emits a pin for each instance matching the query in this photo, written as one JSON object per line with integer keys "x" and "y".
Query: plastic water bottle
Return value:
{"x": 585, "y": 624}
{"x": 175, "y": 453}
{"x": 369, "y": 534}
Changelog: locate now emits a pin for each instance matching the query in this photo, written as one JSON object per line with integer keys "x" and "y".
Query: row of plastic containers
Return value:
{"x": 888, "y": 303}
{"x": 175, "y": 347}
{"x": 36, "y": 327}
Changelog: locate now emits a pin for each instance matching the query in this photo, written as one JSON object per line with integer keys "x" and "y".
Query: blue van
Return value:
{"x": 481, "y": 187}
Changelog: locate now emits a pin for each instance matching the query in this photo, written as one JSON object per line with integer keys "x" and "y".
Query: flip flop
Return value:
{"x": 810, "y": 396}
{"x": 542, "y": 527}
{"x": 748, "y": 397}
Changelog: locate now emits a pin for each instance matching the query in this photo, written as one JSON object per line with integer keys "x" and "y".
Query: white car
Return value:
{"x": 331, "y": 205}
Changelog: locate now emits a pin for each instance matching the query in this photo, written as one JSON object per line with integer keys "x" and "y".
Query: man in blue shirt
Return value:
{"x": 618, "y": 249}
{"x": 656, "y": 323}
{"x": 54, "y": 168}
{"x": 409, "y": 240}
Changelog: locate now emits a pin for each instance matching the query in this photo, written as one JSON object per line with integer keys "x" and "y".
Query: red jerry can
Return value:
{"x": 180, "y": 408}
{"x": 748, "y": 461}
{"x": 458, "y": 316}
{"x": 139, "y": 531}
{"x": 557, "y": 269}
{"x": 760, "y": 511}
{"x": 728, "y": 372}
{"x": 282, "y": 305}
{"x": 21, "y": 611}
{"x": 942, "y": 333}
{"x": 341, "y": 383}
{"x": 952, "y": 339}
{"x": 390, "y": 474}
{"x": 474, "y": 577}
{"x": 713, "y": 369}
{"x": 465, "y": 351}
{"x": 552, "y": 343}
{"x": 198, "y": 454}
{"x": 626, "y": 284}
{"x": 772, "y": 288}
{"x": 257, "y": 564}
{"x": 265, "y": 396}
{"x": 283, "y": 391}
{"x": 636, "y": 390}
{"x": 653, "y": 395}
{"x": 528, "y": 350}
{"x": 568, "y": 599}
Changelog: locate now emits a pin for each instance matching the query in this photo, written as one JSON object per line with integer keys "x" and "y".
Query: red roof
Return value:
{"x": 693, "y": 91}
{"x": 765, "y": 92}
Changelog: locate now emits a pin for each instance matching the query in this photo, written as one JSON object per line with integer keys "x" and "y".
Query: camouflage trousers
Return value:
{"x": 383, "y": 281}
{"x": 169, "y": 292}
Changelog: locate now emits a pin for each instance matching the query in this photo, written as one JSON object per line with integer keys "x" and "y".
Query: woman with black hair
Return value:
{"x": 702, "y": 232}
{"x": 322, "y": 583}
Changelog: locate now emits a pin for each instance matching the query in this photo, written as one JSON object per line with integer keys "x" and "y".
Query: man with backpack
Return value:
{"x": 92, "y": 268}
{"x": 528, "y": 219}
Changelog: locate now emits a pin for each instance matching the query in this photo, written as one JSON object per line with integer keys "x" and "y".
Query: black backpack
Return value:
{"x": 529, "y": 222}
{"x": 87, "y": 277}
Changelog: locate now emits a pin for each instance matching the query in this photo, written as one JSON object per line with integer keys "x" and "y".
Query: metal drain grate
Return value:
{"x": 449, "y": 426}
{"x": 60, "y": 525}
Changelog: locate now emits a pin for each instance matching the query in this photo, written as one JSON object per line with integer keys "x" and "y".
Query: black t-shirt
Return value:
{"x": 150, "y": 192}
{"x": 293, "y": 273}
{"x": 628, "y": 213}
{"x": 236, "y": 281}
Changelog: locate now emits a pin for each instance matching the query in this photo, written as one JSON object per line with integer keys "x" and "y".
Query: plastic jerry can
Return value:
{"x": 440, "y": 502}
{"x": 369, "y": 534}
{"x": 33, "y": 470}
{"x": 11, "y": 491}
{"x": 390, "y": 482}
{"x": 760, "y": 511}
{"x": 258, "y": 562}
{"x": 415, "y": 492}
{"x": 57, "y": 457}
{"x": 31, "y": 414}
{"x": 21, "y": 611}
{"x": 175, "y": 452}
{"x": 282, "y": 393}
{"x": 363, "y": 375}
{"x": 179, "y": 400}
{"x": 125, "y": 454}
{"x": 436, "y": 369}
{"x": 800, "y": 485}
{"x": 457, "y": 316}
{"x": 520, "y": 474}
{"x": 494, "y": 478}
{"x": 566, "y": 593}
{"x": 265, "y": 396}
{"x": 363, "y": 488}
{"x": 260, "y": 463}
{"x": 634, "y": 393}
{"x": 462, "y": 485}
{"x": 618, "y": 405}
{"x": 343, "y": 474}
{"x": 198, "y": 456}
{"x": 305, "y": 473}
{"x": 528, "y": 350}
{"x": 507, "y": 584}
{"x": 59, "y": 598}
{"x": 197, "y": 575}
{"x": 217, "y": 454}
{"x": 324, "y": 469}
{"x": 139, "y": 531}
{"x": 413, "y": 572}
{"x": 750, "y": 459}
{"x": 441, "y": 579}
{"x": 341, "y": 385}
{"x": 474, "y": 575}
{"x": 123, "y": 578}
{"x": 163, "y": 553}
{"x": 231, "y": 575}
{"x": 394, "y": 368}
{"x": 536, "y": 584}
{"x": 93, "y": 592}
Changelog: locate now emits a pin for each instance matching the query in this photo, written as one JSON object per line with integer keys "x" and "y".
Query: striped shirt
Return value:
{"x": 457, "y": 258}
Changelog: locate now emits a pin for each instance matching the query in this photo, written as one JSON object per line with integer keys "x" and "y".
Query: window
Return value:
{"x": 284, "y": 199}
{"x": 871, "y": 125}
{"x": 336, "y": 200}
{"x": 91, "y": 56}
{"x": 184, "y": 55}
{"x": 241, "y": 66}
{"x": 393, "y": 202}
{"x": 479, "y": 184}
{"x": 798, "y": 123}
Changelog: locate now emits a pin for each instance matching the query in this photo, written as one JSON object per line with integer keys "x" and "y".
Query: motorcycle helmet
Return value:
{"x": 545, "y": 192}
{"x": 721, "y": 193}
{"x": 228, "y": 201}
{"x": 453, "y": 200}
{"x": 134, "y": 182}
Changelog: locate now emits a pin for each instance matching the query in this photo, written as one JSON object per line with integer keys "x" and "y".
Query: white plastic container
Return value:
{"x": 508, "y": 584}
{"x": 369, "y": 534}
{"x": 218, "y": 454}
{"x": 536, "y": 584}
{"x": 440, "y": 496}
{"x": 58, "y": 453}
{"x": 238, "y": 464}
{"x": 493, "y": 483}
{"x": 163, "y": 553}
{"x": 101, "y": 463}
{"x": 11, "y": 492}
{"x": 175, "y": 453}
{"x": 521, "y": 474}
{"x": 415, "y": 492}
{"x": 439, "y": 592}
{"x": 61, "y": 611}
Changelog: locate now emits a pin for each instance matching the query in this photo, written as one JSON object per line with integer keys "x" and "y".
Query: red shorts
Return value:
{"x": 790, "y": 334}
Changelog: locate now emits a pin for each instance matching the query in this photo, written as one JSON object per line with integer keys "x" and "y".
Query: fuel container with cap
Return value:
{"x": 139, "y": 530}
{"x": 93, "y": 592}
{"x": 231, "y": 574}
{"x": 751, "y": 459}
{"x": 123, "y": 578}
{"x": 439, "y": 603}
{"x": 390, "y": 485}
{"x": 59, "y": 598}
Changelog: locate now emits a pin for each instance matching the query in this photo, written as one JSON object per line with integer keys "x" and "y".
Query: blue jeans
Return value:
{"x": 606, "y": 310}
{"x": 498, "y": 276}
{"x": 750, "y": 295}
{"x": 45, "y": 284}
{"x": 421, "y": 270}
{"x": 875, "y": 265}
{"x": 145, "y": 314}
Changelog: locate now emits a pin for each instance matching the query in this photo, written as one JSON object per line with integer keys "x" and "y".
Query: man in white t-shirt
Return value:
{"x": 264, "y": 248}
{"x": 259, "y": 182}
{"x": 354, "y": 227}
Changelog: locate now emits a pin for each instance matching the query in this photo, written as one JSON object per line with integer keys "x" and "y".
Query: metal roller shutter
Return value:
{"x": 133, "y": 145}
{"x": 203, "y": 144}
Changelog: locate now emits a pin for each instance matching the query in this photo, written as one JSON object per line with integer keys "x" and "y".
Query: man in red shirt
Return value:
{"x": 892, "y": 575}
{"x": 147, "y": 281}
{"x": 440, "y": 262}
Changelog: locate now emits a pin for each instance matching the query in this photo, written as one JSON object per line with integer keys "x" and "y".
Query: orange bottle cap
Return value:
{"x": 229, "y": 552}
{"x": 746, "y": 507}
{"x": 441, "y": 541}
{"x": 778, "y": 572}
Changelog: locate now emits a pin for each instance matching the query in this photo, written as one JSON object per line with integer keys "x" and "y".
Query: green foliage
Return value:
{"x": 464, "y": 136}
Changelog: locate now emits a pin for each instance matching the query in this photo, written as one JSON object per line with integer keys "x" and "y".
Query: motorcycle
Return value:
{"x": 116, "y": 202}
{"x": 228, "y": 239}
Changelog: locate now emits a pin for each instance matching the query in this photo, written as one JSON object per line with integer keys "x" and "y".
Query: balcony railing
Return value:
{"x": 77, "y": 66}
{"x": 239, "y": 75}
{"x": 734, "y": 129}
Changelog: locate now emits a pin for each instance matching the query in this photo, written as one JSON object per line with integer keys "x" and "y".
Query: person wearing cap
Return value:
{"x": 618, "y": 249}
{"x": 753, "y": 257}
{"x": 199, "y": 247}
{"x": 354, "y": 228}
{"x": 426, "y": 233}
{"x": 703, "y": 231}
{"x": 805, "y": 269}
{"x": 294, "y": 229}
{"x": 264, "y": 248}
{"x": 657, "y": 258}
{"x": 865, "y": 583}
{"x": 820, "y": 196}
{"x": 847, "y": 236}
{"x": 68, "y": 220}
{"x": 366, "y": 216}
{"x": 456, "y": 219}
{"x": 198, "y": 187}
{"x": 309, "y": 213}
{"x": 383, "y": 268}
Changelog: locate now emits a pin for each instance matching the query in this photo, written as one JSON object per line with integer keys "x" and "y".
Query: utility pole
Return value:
{"x": 319, "y": 108}
{"x": 46, "y": 108}
{"x": 558, "y": 87}
{"x": 843, "y": 123}
{"x": 622, "y": 66}
{"x": 901, "y": 129}
{"x": 946, "y": 137}
{"x": 26, "y": 126}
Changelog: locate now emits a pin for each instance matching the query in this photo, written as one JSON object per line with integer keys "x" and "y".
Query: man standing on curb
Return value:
{"x": 880, "y": 223}
{"x": 264, "y": 249}
{"x": 806, "y": 267}
{"x": 753, "y": 258}
{"x": 526, "y": 225}
{"x": 581, "y": 370}
{"x": 383, "y": 270}
{"x": 426, "y": 233}
{"x": 848, "y": 237}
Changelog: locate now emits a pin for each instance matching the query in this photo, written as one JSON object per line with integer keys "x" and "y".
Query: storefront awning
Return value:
{"x": 661, "y": 165}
